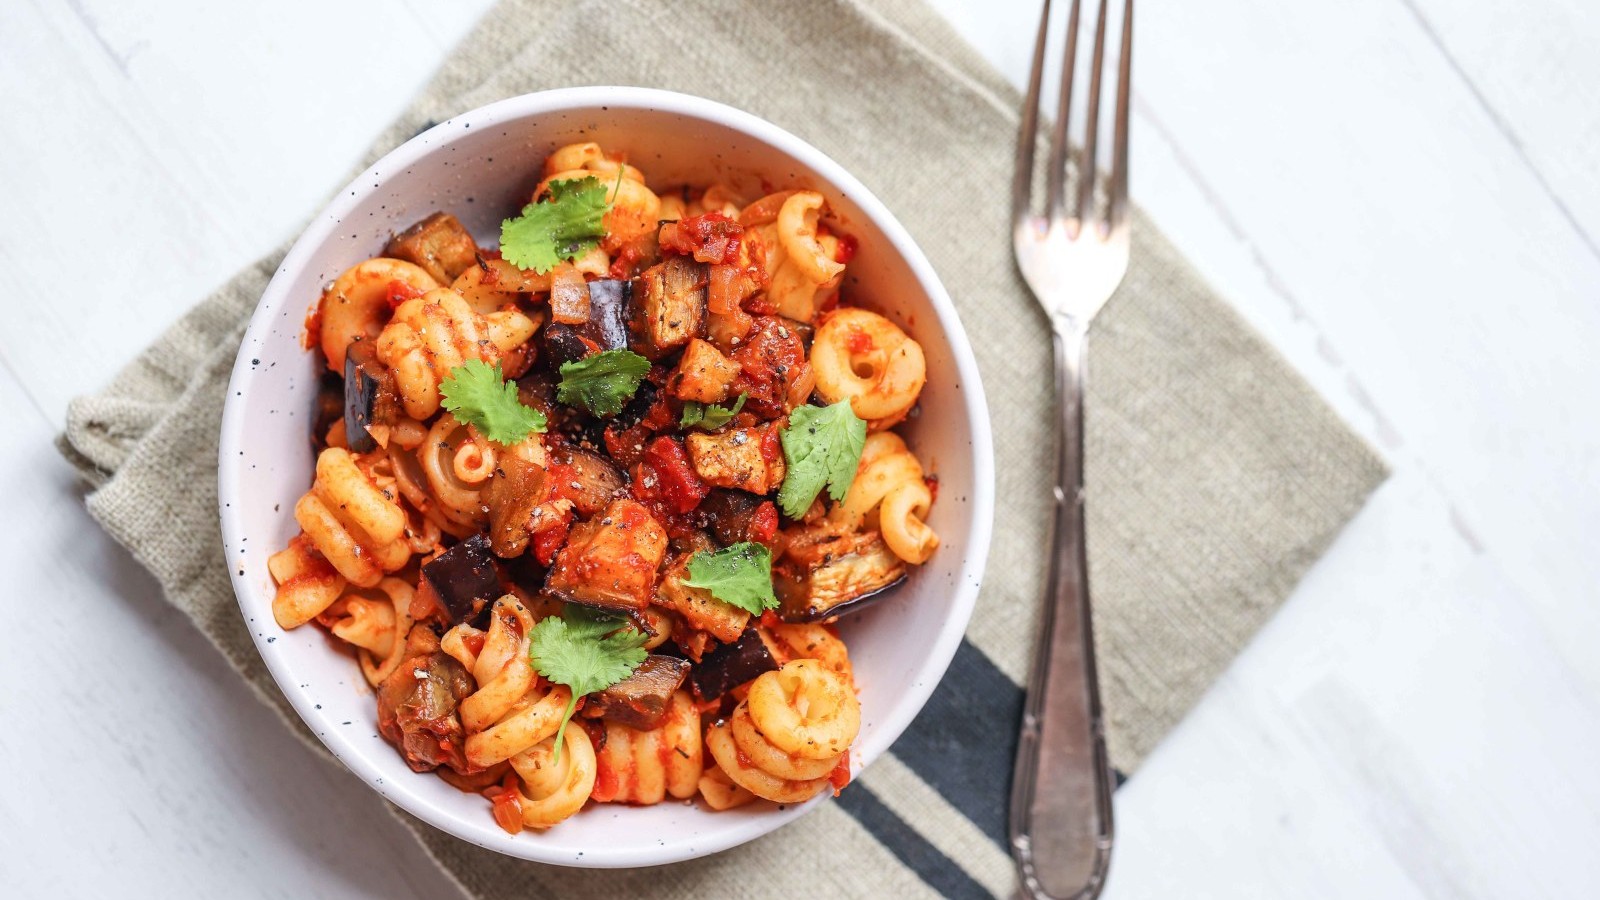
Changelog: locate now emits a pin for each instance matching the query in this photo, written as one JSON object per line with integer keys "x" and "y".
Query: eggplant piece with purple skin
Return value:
{"x": 641, "y": 700}
{"x": 609, "y": 301}
{"x": 562, "y": 344}
{"x": 668, "y": 306}
{"x": 595, "y": 480}
{"x": 731, "y": 665}
{"x": 464, "y": 578}
{"x": 823, "y": 576}
{"x": 417, "y": 705}
{"x": 369, "y": 396}
{"x": 730, "y": 514}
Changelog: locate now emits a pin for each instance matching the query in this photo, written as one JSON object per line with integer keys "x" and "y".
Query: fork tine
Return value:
{"x": 1058, "y": 136}
{"x": 1117, "y": 204}
{"x": 1022, "y": 176}
{"x": 1083, "y": 209}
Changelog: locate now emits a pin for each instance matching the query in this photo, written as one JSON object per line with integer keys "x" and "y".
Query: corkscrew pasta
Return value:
{"x": 554, "y": 461}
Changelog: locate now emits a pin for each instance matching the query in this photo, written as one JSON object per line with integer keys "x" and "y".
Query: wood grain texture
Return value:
{"x": 1402, "y": 194}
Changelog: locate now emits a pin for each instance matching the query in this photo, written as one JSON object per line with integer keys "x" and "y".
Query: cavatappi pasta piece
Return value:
{"x": 376, "y": 621}
{"x": 811, "y": 640}
{"x": 635, "y": 209}
{"x": 434, "y": 333}
{"x": 644, "y": 767}
{"x": 891, "y": 481}
{"x": 356, "y": 306}
{"x": 797, "y": 234}
{"x": 789, "y": 734}
{"x": 742, "y": 772}
{"x": 307, "y": 583}
{"x": 551, "y": 789}
{"x": 493, "y": 284}
{"x": 509, "y": 712}
{"x": 457, "y": 461}
{"x": 720, "y": 792}
{"x": 805, "y": 709}
{"x": 863, "y": 357}
{"x": 358, "y": 528}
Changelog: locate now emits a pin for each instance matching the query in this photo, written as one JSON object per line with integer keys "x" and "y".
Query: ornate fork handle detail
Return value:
{"x": 1061, "y": 824}
{"x": 1072, "y": 258}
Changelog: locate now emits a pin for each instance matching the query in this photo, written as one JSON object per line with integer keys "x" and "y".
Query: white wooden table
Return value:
{"x": 1403, "y": 194}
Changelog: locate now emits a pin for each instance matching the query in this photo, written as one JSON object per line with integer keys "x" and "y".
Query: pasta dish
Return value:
{"x": 587, "y": 506}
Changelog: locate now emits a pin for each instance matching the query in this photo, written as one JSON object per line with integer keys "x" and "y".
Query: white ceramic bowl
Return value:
{"x": 480, "y": 166}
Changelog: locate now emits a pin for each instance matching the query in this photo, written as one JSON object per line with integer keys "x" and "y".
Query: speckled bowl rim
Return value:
{"x": 546, "y": 103}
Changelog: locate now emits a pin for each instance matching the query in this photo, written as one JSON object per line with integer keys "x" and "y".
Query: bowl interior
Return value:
{"x": 481, "y": 167}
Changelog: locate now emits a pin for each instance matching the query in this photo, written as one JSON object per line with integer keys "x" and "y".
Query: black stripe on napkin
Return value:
{"x": 931, "y": 865}
{"x": 964, "y": 742}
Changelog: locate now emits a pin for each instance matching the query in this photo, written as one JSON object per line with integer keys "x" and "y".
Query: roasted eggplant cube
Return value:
{"x": 723, "y": 621}
{"x": 562, "y": 344}
{"x": 731, "y": 515}
{"x": 595, "y": 481}
{"x": 464, "y": 578}
{"x": 743, "y": 459}
{"x": 369, "y": 396}
{"x": 669, "y": 306}
{"x": 851, "y": 574}
{"x": 641, "y": 700}
{"x": 731, "y": 665}
{"x": 439, "y": 244}
{"x": 703, "y": 375}
{"x": 610, "y": 561}
{"x": 608, "y": 313}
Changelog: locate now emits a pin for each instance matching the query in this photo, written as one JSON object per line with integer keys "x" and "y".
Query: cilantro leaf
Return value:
{"x": 567, "y": 223}
{"x": 479, "y": 395}
{"x": 709, "y": 415}
{"x": 822, "y": 446}
{"x": 602, "y": 382}
{"x": 740, "y": 574}
{"x": 586, "y": 651}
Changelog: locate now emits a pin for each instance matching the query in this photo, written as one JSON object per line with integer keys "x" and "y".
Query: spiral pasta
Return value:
{"x": 790, "y": 732}
{"x": 356, "y": 306}
{"x": 358, "y": 528}
{"x": 644, "y": 767}
{"x": 376, "y": 621}
{"x": 434, "y": 333}
{"x": 797, "y": 234}
{"x": 891, "y": 481}
{"x": 509, "y": 712}
{"x": 553, "y": 789}
{"x": 635, "y": 209}
{"x": 307, "y": 583}
{"x": 863, "y": 357}
{"x": 457, "y": 461}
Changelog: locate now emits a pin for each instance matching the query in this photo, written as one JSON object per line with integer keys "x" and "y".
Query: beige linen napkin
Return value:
{"x": 1215, "y": 475}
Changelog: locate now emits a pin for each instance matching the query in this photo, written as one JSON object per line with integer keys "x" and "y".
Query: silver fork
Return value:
{"x": 1072, "y": 257}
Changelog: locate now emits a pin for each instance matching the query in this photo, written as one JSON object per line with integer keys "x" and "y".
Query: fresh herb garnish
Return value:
{"x": 822, "y": 446}
{"x": 602, "y": 383}
{"x": 567, "y": 223}
{"x": 739, "y": 574}
{"x": 480, "y": 396}
{"x": 709, "y": 415}
{"x": 585, "y": 650}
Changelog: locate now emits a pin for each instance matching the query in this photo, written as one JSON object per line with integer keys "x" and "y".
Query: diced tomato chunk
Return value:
{"x": 710, "y": 238}
{"x": 764, "y": 524}
{"x": 665, "y": 478}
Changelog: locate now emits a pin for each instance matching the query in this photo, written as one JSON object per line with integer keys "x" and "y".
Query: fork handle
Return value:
{"x": 1061, "y": 786}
